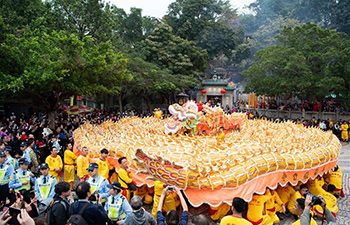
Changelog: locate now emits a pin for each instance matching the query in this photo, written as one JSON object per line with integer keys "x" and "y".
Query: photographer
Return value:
{"x": 302, "y": 208}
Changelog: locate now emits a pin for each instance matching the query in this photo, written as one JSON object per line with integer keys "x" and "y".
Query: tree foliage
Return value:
{"x": 309, "y": 61}
{"x": 180, "y": 56}
{"x": 209, "y": 23}
{"x": 57, "y": 65}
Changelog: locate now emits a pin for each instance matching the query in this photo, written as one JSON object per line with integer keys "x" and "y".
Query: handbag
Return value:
{"x": 131, "y": 186}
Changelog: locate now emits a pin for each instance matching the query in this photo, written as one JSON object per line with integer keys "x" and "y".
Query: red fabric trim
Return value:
{"x": 212, "y": 211}
{"x": 271, "y": 210}
{"x": 257, "y": 222}
{"x": 335, "y": 216}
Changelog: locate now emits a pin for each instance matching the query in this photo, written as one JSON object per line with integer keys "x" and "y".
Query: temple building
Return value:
{"x": 216, "y": 89}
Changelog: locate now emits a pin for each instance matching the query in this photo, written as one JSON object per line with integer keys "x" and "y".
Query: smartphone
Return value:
{"x": 14, "y": 210}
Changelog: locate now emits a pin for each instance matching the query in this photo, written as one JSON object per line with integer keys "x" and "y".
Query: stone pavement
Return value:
{"x": 343, "y": 216}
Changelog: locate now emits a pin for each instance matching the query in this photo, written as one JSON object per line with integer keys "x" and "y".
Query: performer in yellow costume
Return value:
{"x": 217, "y": 213}
{"x": 285, "y": 193}
{"x": 170, "y": 202}
{"x": 145, "y": 194}
{"x": 330, "y": 199}
{"x": 55, "y": 164}
{"x": 256, "y": 209}
{"x": 103, "y": 165}
{"x": 221, "y": 135}
{"x": 335, "y": 177}
{"x": 344, "y": 131}
{"x": 158, "y": 113}
{"x": 296, "y": 195}
{"x": 83, "y": 164}
{"x": 271, "y": 206}
{"x": 69, "y": 165}
{"x": 125, "y": 176}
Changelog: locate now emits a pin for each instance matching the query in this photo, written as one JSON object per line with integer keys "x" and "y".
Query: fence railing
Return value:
{"x": 335, "y": 116}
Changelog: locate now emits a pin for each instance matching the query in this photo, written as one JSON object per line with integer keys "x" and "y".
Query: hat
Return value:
{"x": 23, "y": 161}
{"x": 24, "y": 144}
{"x": 8, "y": 148}
{"x": 115, "y": 185}
{"x": 92, "y": 166}
{"x": 2, "y": 154}
{"x": 43, "y": 166}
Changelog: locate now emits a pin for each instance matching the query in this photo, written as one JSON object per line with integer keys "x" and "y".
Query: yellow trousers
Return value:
{"x": 69, "y": 173}
{"x": 344, "y": 135}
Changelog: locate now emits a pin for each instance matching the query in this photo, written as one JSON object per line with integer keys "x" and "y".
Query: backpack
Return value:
{"x": 77, "y": 219}
{"x": 48, "y": 211}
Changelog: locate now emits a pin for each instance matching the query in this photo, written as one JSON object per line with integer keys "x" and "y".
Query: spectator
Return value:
{"x": 139, "y": 216}
{"x": 200, "y": 220}
{"x": 172, "y": 217}
{"x": 93, "y": 214}
{"x": 59, "y": 212}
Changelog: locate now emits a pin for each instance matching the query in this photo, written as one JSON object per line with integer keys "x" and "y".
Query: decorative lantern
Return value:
{"x": 223, "y": 91}
{"x": 204, "y": 92}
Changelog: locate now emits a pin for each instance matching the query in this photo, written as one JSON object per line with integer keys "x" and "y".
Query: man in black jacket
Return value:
{"x": 93, "y": 214}
{"x": 59, "y": 214}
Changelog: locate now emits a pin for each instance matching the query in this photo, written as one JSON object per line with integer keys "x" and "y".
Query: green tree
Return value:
{"x": 86, "y": 18}
{"x": 149, "y": 81}
{"x": 209, "y": 23}
{"x": 58, "y": 65}
{"x": 18, "y": 14}
{"x": 310, "y": 61}
{"x": 181, "y": 57}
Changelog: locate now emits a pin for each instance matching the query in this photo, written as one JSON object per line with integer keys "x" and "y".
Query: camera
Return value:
{"x": 93, "y": 198}
{"x": 316, "y": 200}
{"x": 171, "y": 188}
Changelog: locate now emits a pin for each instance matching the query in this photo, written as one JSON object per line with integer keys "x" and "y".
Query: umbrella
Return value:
{"x": 78, "y": 109}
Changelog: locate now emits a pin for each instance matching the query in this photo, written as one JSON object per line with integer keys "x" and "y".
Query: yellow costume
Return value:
{"x": 169, "y": 201}
{"x": 82, "y": 165}
{"x": 232, "y": 220}
{"x": 158, "y": 114}
{"x": 54, "y": 163}
{"x": 103, "y": 168}
{"x": 271, "y": 207}
{"x": 221, "y": 137}
{"x": 335, "y": 178}
{"x": 344, "y": 132}
{"x": 69, "y": 168}
{"x": 126, "y": 177}
{"x": 144, "y": 193}
{"x": 285, "y": 193}
{"x": 292, "y": 201}
{"x": 256, "y": 209}
{"x": 331, "y": 200}
{"x": 217, "y": 213}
